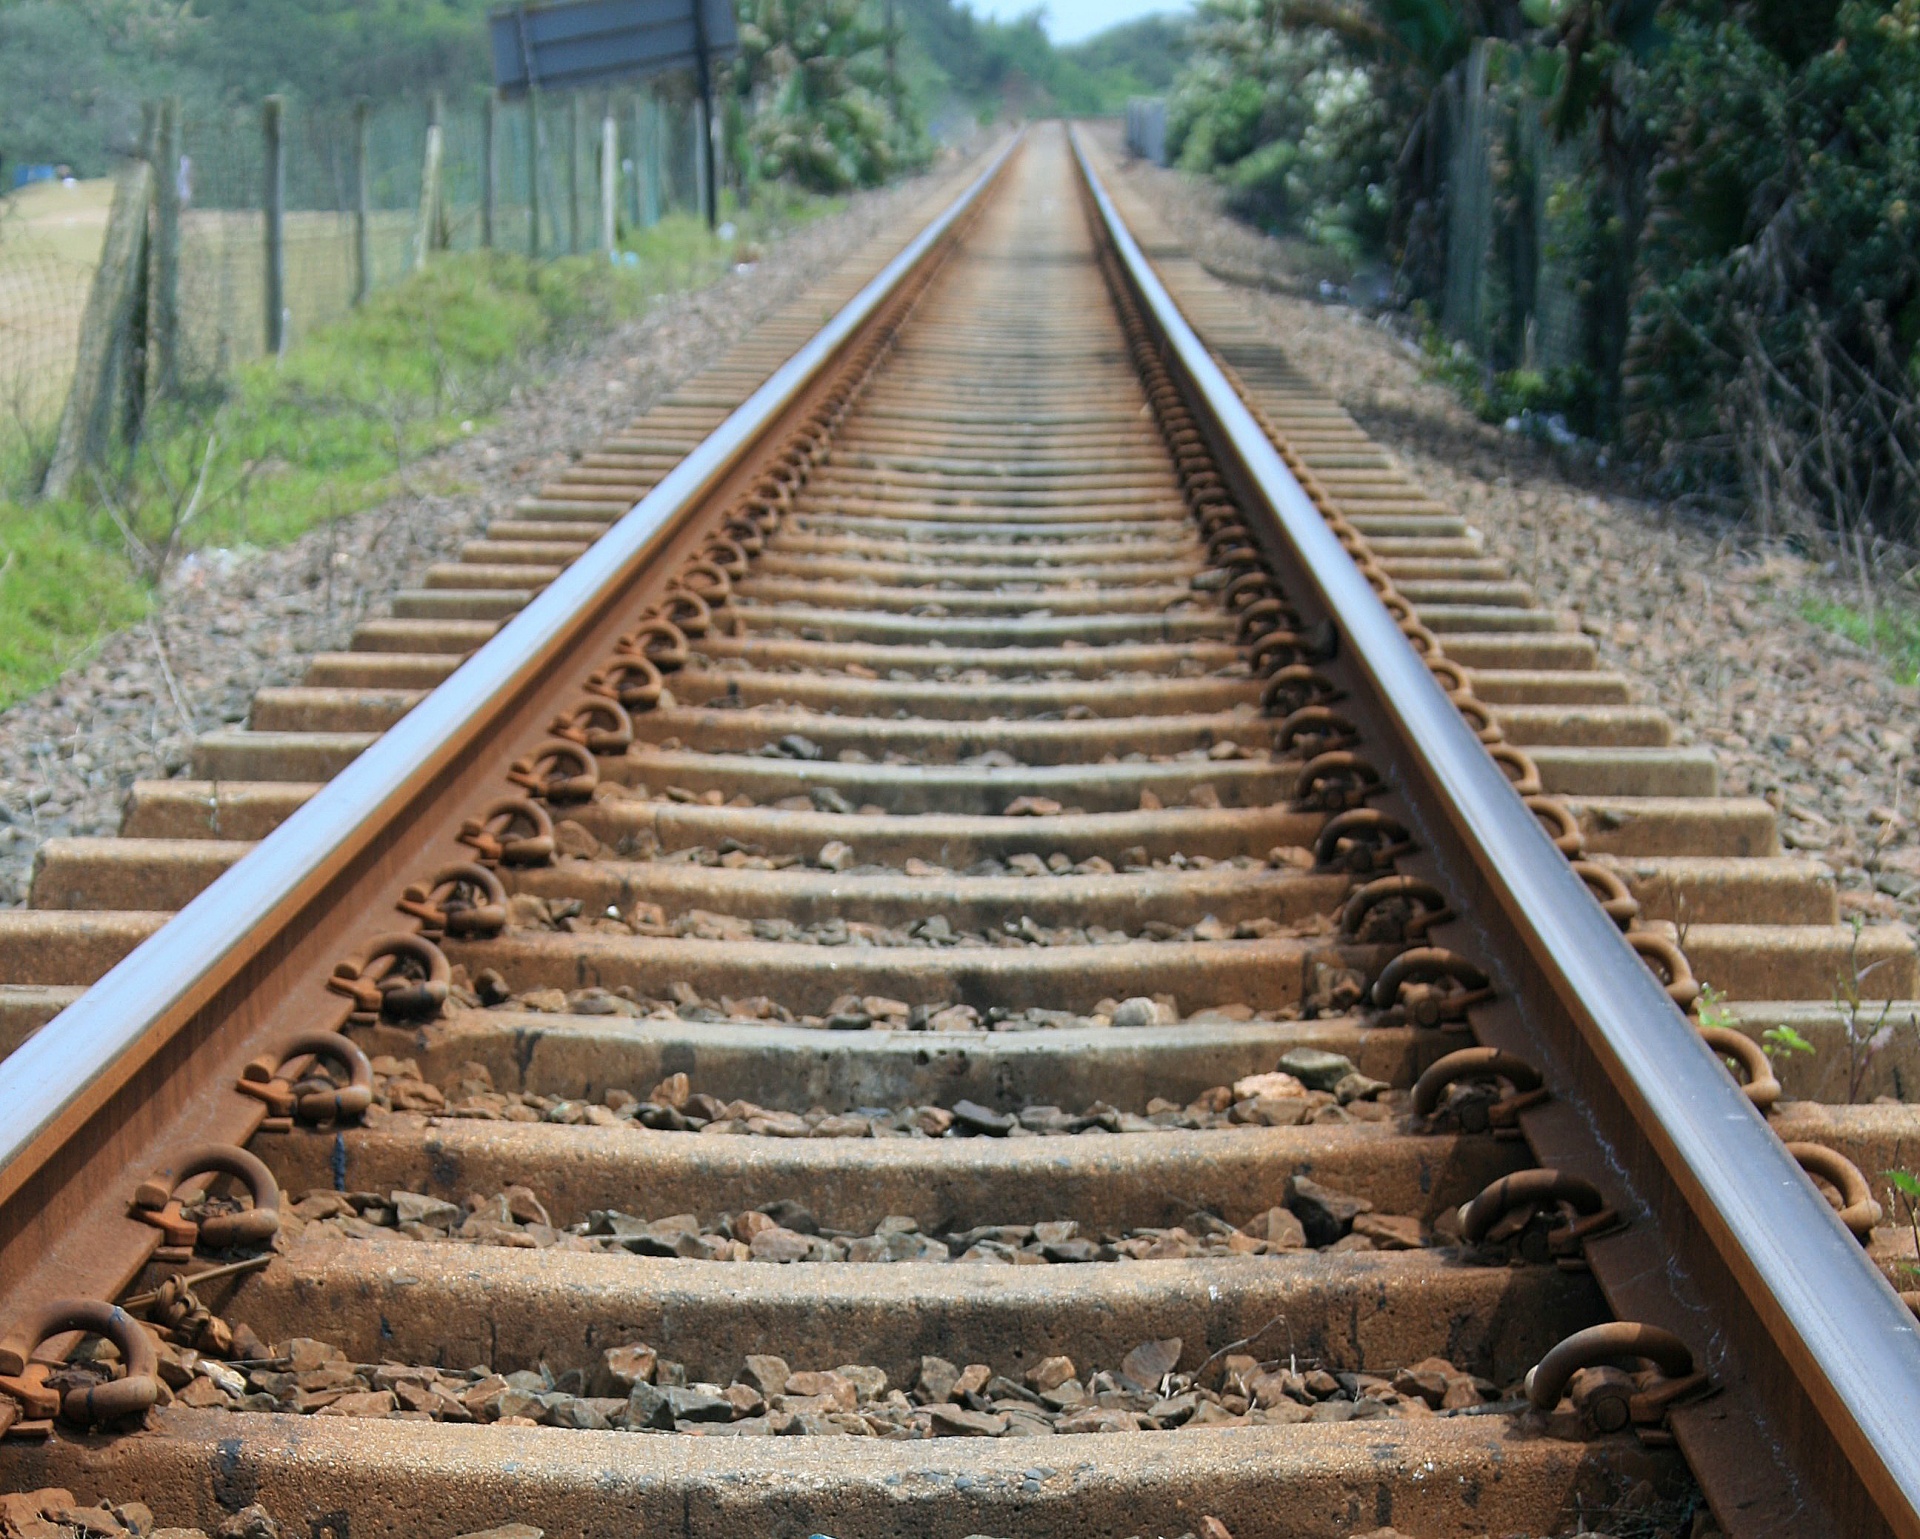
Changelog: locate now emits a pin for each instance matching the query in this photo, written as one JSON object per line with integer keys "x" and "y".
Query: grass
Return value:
{"x": 337, "y": 426}
{"x": 1892, "y": 633}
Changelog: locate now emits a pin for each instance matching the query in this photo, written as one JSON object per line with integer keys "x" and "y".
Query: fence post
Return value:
{"x": 87, "y": 418}
{"x": 533, "y": 171}
{"x": 576, "y": 131}
{"x": 646, "y": 158}
{"x": 703, "y": 163}
{"x": 426, "y": 234}
{"x": 703, "y": 114}
{"x": 163, "y": 340}
{"x": 129, "y": 382}
{"x": 272, "y": 123}
{"x": 362, "y": 201}
{"x": 488, "y": 189}
{"x": 609, "y": 178}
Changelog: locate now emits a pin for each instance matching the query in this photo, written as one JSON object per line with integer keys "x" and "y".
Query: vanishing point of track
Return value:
{"x": 989, "y": 870}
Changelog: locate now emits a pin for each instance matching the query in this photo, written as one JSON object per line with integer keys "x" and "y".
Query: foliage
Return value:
{"x": 1733, "y": 203}
{"x": 341, "y": 422}
{"x": 1290, "y": 121}
{"x": 1011, "y": 69}
{"x": 1892, "y": 632}
{"x": 1773, "y": 351}
{"x": 825, "y": 111}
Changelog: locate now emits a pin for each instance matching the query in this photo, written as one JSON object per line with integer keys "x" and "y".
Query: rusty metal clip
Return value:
{"x": 1294, "y": 688}
{"x": 1534, "y": 1214}
{"x": 663, "y": 642}
{"x": 511, "y": 832}
{"x": 544, "y": 772}
{"x": 1856, "y": 1205}
{"x": 1335, "y": 782}
{"x": 1427, "y": 904}
{"x": 134, "y": 1393}
{"x": 599, "y": 724}
{"x": 1478, "y": 1065}
{"x": 1605, "y": 1394}
{"x": 411, "y": 986}
{"x": 1362, "y": 840}
{"x": 156, "y": 1200}
{"x": 632, "y": 679}
{"x": 313, "y": 1099}
{"x": 1518, "y": 767}
{"x": 464, "y": 899}
{"x": 1315, "y": 730}
{"x": 1669, "y": 963}
{"x": 1762, "y": 1086}
{"x": 1293, "y": 644}
{"x": 1479, "y": 717}
{"x": 1430, "y": 986}
{"x": 704, "y": 580}
{"x": 1610, "y": 892}
{"x": 1556, "y": 819}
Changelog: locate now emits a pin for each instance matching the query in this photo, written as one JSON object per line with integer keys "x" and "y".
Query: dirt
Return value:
{"x": 230, "y": 622}
{"x": 1707, "y": 618}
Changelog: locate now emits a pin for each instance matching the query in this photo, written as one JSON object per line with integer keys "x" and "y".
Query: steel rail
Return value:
{"x": 68, "y": 1068}
{"x": 1851, "y": 1344}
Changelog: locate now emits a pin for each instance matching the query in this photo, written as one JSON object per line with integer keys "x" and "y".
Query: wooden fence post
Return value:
{"x": 163, "y": 303}
{"x": 274, "y": 201}
{"x": 86, "y": 422}
{"x": 362, "y": 198}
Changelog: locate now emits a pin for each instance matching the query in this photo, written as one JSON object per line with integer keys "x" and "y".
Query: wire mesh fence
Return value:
{"x": 366, "y": 196}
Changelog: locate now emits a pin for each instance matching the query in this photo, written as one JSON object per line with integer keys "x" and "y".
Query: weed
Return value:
{"x": 1710, "y": 1009}
{"x": 1890, "y": 632}
{"x": 336, "y": 426}
{"x": 1867, "y": 1035}
{"x": 1905, "y": 1191}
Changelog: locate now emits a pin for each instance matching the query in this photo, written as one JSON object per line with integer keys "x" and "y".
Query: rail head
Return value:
{"x": 1843, "y": 1334}
{"x": 68, "y": 1069}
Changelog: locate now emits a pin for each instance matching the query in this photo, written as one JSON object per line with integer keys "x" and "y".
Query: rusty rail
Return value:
{"x": 69, "y": 1073}
{"x": 1806, "y": 1291}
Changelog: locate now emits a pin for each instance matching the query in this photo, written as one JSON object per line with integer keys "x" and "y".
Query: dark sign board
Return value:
{"x": 593, "y": 42}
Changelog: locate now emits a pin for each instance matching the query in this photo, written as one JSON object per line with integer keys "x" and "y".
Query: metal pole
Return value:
{"x": 609, "y": 177}
{"x": 362, "y": 201}
{"x": 703, "y": 113}
{"x": 164, "y": 303}
{"x": 489, "y": 176}
{"x": 636, "y": 198}
{"x": 576, "y": 131}
{"x": 427, "y": 234}
{"x": 272, "y": 122}
{"x": 658, "y": 192}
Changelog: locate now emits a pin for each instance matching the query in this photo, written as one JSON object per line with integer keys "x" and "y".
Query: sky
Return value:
{"x": 1070, "y": 21}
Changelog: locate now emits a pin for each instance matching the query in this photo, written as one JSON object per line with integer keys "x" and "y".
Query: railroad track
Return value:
{"x": 961, "y": 817}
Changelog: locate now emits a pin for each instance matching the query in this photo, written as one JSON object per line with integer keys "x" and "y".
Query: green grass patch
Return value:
{"x": 335, "y": 427}
{"x": 1892, "y": 632}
